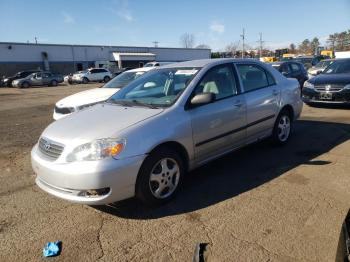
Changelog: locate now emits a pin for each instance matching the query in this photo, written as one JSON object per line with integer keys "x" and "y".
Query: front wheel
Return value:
{"x": 53, "y": 83}
{"x": 25, "y": 85}
{"x": 85, "y": 80}
{"x": 106, "y": 79}
{"x": 282, "y": 128}
{"x": 160, "y": 177}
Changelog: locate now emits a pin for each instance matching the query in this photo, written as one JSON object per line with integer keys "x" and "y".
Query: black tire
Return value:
{"x": 85, "y": 80}
{"x": 145, "y": 187}
{"x": 53, "y": 83}
{"x": 106, "y": 79}
{"x": 25, "y": 85}
{"x": 280, "y": 136}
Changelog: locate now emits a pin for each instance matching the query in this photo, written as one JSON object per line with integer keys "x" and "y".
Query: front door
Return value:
{"x": 217, "y": 127}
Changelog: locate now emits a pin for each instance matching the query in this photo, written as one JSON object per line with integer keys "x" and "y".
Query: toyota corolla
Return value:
{"x": 145, "y": 138}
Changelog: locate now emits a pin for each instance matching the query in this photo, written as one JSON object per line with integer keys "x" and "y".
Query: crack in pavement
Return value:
{"x": 18, "y": 189}
{"x": 99, "y": 237}
{"x": 261, "y": 247}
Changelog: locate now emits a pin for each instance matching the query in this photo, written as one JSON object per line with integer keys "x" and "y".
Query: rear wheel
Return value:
{"x": 160, "y": 177}
{"x": 282, "y": 128}
{"x": 106, "y": 79}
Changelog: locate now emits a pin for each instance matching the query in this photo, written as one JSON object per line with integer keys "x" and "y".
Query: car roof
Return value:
{"x": 205, "y": 62}
{"x": 141, "y": 69}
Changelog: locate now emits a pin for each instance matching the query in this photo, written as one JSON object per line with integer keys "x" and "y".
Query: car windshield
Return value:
{"x": 338, "y": 67}
{"x": 123, "y": 79}
{"x": 158, "y": 88}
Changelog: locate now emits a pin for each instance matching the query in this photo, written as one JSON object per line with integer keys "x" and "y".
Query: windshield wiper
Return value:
{"x": 121, "y": 102}
{"x": 137, "y": 102}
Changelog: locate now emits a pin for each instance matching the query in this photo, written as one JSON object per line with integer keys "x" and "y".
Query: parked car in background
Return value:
{"x": 141, "y": 142}
{"x": 331, "y": 86}
{"x": 7, "y": 81}
{"x": 319, "y": 67}
{"x": 152, "y": 64}
{"x": 92, "y": 75}
{"x": 292, "y": 69}
{"x": 88, "y": 98}
{"x": 39, "y": 79}
{"x": 307, "y": 61}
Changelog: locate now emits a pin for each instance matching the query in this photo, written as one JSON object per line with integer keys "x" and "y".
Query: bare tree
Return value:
{"x": 187, "y": 40}
{"x": 232, "y": 48}
{"x": 203, "y": 46}
{"x": 292, "y": 48}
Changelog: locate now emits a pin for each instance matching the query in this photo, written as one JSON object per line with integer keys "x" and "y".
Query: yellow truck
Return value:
{"x": 329, "y": 53}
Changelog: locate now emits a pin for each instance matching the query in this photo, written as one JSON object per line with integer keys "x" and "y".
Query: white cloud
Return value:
{"x": 67, "y": 18}
{"x": 123, "y": 11}
{"x": 217, "y": 27}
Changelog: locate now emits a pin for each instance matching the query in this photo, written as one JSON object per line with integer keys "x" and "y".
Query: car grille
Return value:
{"x": 330, "y": 88}
{"x": 50, "y": 149}
{"x": 63, "y": 110}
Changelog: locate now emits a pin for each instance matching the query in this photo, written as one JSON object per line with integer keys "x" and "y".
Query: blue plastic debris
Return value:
{"x": 52, "y": 249}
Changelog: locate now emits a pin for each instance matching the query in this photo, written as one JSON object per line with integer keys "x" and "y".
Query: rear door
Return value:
{"x": 217, "y": 127}
{"x": 93, "y": 75}
{"x": 46, "y": 79}
{"x": 262, "y": 96}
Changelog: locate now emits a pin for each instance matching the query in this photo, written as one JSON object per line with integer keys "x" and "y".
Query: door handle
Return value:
{"x": 275, "y": 92}
{"x": 238, "y": 103}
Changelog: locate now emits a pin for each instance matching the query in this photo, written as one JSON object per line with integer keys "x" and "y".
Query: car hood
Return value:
{"x": 330, "y": 79}
{"x": 99, "y": 121}
{"x": 87, "y": 97}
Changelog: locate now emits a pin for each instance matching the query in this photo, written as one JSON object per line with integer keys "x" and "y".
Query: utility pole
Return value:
{"x": 260, "y": 45}
{"x": 36, "y": 40}
{"x": 155, "y": 43}
{"x": 243, "y": 37}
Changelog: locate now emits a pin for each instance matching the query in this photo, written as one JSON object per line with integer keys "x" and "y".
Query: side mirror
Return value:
{"x": 202, "y": 99}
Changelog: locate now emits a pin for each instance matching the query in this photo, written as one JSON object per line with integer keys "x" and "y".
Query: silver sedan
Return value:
{"x": 147, "y": 136}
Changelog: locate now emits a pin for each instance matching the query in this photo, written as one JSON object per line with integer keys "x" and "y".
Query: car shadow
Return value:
{"x": 331, "y": 106}
{"x": 242, "y": 171}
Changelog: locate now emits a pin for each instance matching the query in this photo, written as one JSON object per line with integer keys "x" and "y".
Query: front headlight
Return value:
{"x": 307, "y": 84}
{"x": 6, "y": 79}
{"x": 97, "y": 149}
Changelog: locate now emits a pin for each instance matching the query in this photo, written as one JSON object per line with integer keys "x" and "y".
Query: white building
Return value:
{"x": 64, "y": 59}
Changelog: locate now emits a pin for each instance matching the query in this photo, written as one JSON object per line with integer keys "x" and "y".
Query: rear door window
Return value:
{"x": 253, "y": 77}
{"x": 295, "y": 67}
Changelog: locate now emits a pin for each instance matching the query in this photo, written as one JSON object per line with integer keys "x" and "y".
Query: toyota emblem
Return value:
{"x": 47, "y": 145}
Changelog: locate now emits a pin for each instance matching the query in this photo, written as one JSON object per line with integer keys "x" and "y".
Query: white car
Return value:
{"x": 153, "y": 64}
{"x": 87, "y": 98}
{"x": 92, "y": 75}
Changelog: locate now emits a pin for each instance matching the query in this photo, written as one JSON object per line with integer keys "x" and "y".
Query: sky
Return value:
{"x": 140, "y": 22}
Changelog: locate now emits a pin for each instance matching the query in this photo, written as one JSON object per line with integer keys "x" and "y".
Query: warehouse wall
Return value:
{"x": 63, "y": 59}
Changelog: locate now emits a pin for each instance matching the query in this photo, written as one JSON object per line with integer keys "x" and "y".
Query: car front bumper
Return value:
{"x": 70, "y": 181}
{"x": 312, "y": 96}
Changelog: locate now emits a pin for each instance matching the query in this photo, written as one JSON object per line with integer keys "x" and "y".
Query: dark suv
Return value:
{"x": 8, "y": 80}
{"x": 292, "y": 69}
